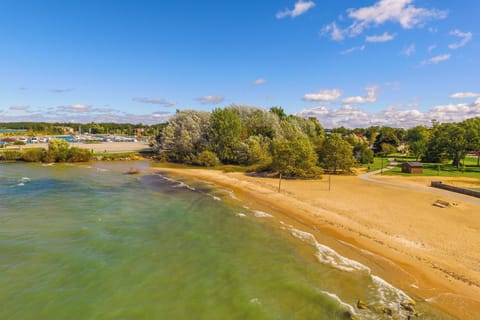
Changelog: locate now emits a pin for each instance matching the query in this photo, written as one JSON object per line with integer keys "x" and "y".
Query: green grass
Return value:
{"x": 440, "y": 169}
{"x": 376, "y": 165}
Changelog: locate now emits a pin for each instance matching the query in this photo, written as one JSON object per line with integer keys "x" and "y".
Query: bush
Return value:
{"x": 206, "y": 159}
{"x": 33, "y": 155}
{"x": 18, "y": 143}
{"x": 10, "y": 155}
{"x": 79, "y": 155}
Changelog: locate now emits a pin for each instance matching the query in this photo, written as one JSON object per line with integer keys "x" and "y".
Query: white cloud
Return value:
{"x": 403, "y": 12}
{"x": 335, "y": 32}
{"x": 370, "y": 97}
{"x": 351, "y": 117}
{"x": 464, "y": 95}
{"x": 159, "y": 101}
{"x": 300, "y": 8}
{"x": 353, "y": 49}
{"x": 19, "y": 108}
{"x": 211, "y": 99}
{"x": 437, "y": 59}
{"x": 381, "y": 38}
{"x": 325, "y": 95}
{"x": 408, "y": 51}
{"x": 259, "y": 81}
{"x": 465, "y": 38}
{"x": 430, "y": 48}
{"x": 75, "y": 108}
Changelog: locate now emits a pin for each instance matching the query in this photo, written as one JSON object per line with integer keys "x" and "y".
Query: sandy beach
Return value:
{"x": 388, "y": 223}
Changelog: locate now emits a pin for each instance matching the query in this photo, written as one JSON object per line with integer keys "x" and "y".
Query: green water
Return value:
{"x": 89, "y": 242}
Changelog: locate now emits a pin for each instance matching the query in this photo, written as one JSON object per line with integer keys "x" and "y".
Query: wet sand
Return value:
{"x": 432, "y": 253}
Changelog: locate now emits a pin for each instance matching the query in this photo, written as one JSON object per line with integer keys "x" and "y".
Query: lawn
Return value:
{"x": 445, "y": 169}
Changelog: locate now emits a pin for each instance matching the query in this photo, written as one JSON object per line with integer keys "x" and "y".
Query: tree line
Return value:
{"x": 57, "y": 128}
{"x": 265, "y": 140}
{"x": 270, "y": 140}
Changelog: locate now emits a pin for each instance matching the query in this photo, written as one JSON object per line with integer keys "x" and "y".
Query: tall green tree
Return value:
{"x": 185, "y": 136}
{"x": 336, "y": 154}
{"x": 472, "y": 135}
{"x": 225, "y": 134}
{"x": 417, "y": 139}
{"x": 448, "y": 141}
{"x": 293, "y": 154}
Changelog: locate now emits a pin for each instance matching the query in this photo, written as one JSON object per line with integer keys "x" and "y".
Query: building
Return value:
{"x": 412, "y": 167}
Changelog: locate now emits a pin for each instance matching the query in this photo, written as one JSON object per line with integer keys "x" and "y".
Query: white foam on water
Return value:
{"x": 21, "y": 184}
{"x": 246, "y": 207}
{"x": 329, "y": 256}
{"x": 232, "y": 195}
{"x": 261, "y": 214}
{"x": 241, "y": 215}
{"x": 182, "y": 185}
{"x": 255, "y": 301}
{"x": 390, "y": 296}
{"x": 102, "y": 170}
{"x": 214, "y": 197}
{"x": 25, "y": 179}
{"x": 337, "y": 298}
{"x": 179, "y": 184}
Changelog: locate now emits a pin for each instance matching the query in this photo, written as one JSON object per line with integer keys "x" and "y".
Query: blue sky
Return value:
{"x": 352, "y": 62}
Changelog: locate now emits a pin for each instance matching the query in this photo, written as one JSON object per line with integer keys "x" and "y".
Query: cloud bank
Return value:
{"x": 351, "y": 117}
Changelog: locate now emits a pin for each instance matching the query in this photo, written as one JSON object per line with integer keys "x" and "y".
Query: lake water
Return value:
{"x": 89, "y": 242}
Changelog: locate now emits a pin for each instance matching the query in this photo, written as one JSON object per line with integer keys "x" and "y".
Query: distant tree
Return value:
{"x": 386, "y": 135}
{"x": 336, "y": 154}
{"x": 472, "y": 135}
{"x": 387, "y": 149}
{"x": 448, "y": 141}
{"x": 363, "y": 153}
{"x": 417, "y": 139}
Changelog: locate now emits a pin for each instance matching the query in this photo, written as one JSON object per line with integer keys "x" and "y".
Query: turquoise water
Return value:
{"x": 89, "y": 242}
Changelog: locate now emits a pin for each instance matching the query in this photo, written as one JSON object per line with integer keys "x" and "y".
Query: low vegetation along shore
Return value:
{"x": 427, "y": 251}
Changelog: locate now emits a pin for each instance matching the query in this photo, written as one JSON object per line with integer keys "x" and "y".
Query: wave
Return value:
{"x": 261, "y": 214}
{"x": 342, "y": 303}
{"x": 327, "y": 255}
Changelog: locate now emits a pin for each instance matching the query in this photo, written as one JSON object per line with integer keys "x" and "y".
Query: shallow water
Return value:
{"x": 89, "y": 242}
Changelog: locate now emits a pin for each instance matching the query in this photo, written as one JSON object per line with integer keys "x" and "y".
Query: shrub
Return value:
{"x": 79, "y": 155}
{"x": 18, "y": 143}
{"x": 206, "y": 159}
{"x": 10, "y": 155}
{"x": 33, "y": 155}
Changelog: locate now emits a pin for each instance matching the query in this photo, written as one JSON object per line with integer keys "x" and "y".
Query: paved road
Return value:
{"x": 392, "y": 164}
